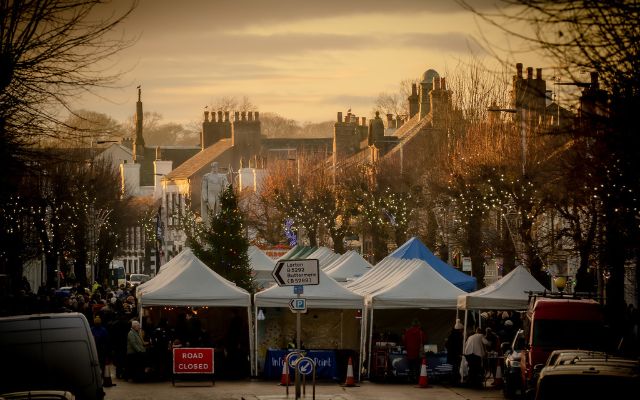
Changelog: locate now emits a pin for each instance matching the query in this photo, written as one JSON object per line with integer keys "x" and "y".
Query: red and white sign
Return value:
{"x": 192, "y": 360}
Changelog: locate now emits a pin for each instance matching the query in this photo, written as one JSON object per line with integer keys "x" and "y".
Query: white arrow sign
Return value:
{"x": 298, "y": 304}
{"x": 297, "y": 272}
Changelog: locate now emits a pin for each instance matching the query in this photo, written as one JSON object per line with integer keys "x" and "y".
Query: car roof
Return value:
{"x": 581, "y": 362}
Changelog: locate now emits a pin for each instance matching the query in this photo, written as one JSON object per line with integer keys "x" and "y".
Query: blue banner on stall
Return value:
{"x": 325, "y": 360}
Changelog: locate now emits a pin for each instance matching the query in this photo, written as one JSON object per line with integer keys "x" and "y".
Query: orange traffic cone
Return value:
{"x": 423, "y": 382}
{"x": 284, "y": 378}
{"x": 350, "y": 381}
{"x": 497, "y": 381}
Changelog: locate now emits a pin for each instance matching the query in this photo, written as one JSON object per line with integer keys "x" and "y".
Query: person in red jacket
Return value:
{"x": 414, "y": 340}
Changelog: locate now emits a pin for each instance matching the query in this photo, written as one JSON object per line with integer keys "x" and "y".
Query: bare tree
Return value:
{"x": 604, "y": 37}
{"x": 395, "y": 103}
{"x": 51, "y": 51}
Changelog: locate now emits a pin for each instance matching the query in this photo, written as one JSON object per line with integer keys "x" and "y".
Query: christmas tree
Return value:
{"x": 227, "y": 243}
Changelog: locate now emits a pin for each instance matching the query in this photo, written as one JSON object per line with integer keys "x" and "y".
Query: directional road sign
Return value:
{"x": 305, "y": 365}
{"x": 297, "y": 272}
{"x": 298, "y": 304}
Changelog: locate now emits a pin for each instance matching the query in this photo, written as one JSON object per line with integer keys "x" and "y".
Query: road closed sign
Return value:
{"x": 192, "y": 360}
{"x": 297, "y": 272}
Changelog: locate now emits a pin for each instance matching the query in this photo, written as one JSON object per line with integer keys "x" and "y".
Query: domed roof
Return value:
{"x": 429, "y": 75}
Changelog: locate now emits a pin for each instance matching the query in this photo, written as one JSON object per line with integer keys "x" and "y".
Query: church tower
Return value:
{"x": 138, "y": 144}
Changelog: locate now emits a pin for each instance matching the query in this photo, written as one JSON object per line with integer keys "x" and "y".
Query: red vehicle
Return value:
{"x": 558, "y": 322}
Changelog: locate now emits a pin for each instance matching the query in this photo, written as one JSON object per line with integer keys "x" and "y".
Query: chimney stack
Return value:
{"x": 519, "y": 70}
{"x": 529, "y": 72}
{"x": 538, "y": 73}
{"x": 339, "y": 116}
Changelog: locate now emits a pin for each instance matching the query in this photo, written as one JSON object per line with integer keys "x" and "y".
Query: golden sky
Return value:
{"x": 302, "y": 59}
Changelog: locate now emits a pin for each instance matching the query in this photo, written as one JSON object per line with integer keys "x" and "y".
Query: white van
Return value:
{"x": 49, "y": 352}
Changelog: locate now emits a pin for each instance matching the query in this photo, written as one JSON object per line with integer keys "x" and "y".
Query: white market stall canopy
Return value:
{"x": 508, "y": 293}
{"x": 262, "y": 266}
{"x": 260, "y": 261}
{"x": 398, "y": 283}
{"x": 186, "y": 281}
{"x": 328, "y": 294}
{"x": 348, "y": 266}
{"x": 324, "y": 255}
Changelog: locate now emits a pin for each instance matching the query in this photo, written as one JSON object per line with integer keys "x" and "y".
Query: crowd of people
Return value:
{"x": 138, "y": 348}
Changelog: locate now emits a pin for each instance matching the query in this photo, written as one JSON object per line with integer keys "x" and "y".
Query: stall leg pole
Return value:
{"x": 363, "y": 327}
{"x": 252, "y": 339}
{"x": 255, "y": 338}
{"x": 370, "y": 344}
{"x": 464, "y": 334}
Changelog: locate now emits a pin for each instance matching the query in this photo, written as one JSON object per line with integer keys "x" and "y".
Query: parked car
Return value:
{"x": 137, "y": 279}
{"x": 587, "y": 375}
{"x": 49, "y": 352}
{"x": 512, "y": 374}
{"x": 38, "y": 395}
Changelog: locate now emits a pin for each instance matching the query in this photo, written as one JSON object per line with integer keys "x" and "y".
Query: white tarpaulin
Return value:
{"x": 348, "y": 266}
{"x": 398, "y": 283}
{"x": 324, "y": 255}
{"x": 262, "y": 266}
{"x": 328, "y": 294}
{"x": 508, "y": 293}
{"x": 188, "y": 282}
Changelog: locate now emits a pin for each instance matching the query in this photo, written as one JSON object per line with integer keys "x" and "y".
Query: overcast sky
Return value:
{"x": 302, "y": 59}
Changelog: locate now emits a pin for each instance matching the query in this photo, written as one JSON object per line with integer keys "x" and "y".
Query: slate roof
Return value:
{"x": 200, "y": 160}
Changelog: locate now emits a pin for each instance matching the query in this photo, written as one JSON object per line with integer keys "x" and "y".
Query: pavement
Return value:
{"x": 252, "y": 389}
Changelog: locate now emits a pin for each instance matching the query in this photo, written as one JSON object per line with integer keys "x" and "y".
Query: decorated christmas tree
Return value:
{"x": 228, "y": 244}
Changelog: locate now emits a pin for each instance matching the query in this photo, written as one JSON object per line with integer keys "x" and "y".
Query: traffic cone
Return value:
{"x": 497, "y": 381}
{"x": 284, "y": 378}
{"x": 423, "y": 382}
{"x": 350, "y": 381}
{"x": 106, "y": 379}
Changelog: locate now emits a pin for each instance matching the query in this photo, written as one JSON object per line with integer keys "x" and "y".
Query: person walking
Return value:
{"x": 475, "y": 351}
{"x": 135, "y": 353}
{"x": 101, "y": 338}
{"x": 453, "y": 345}
{"x": 414, "y": 340}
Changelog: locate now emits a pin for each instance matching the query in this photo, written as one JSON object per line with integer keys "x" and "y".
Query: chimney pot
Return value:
{"x": 206, "y": 116}
{"x": 529, "y": 72}
{"x": 414, "y": 89}
{"x": 339, "y": 116}
{"x": 519, "y": 70}
{"x": 538, "y": 73}
{"x": 443, "y": 83}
